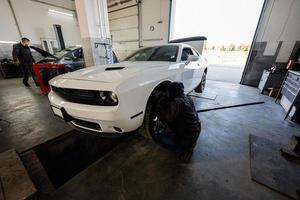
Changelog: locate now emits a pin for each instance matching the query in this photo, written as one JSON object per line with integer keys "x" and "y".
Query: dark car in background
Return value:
{"x": 72, "y": 57}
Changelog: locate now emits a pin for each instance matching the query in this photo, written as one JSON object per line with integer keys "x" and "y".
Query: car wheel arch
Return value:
{"x": 158, "y": 87}
{"x": 144, "y": 129}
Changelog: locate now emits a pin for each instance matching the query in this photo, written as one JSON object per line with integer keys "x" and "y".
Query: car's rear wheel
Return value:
{"x": 200, "y": 88}
{"x": 152, "y": 125}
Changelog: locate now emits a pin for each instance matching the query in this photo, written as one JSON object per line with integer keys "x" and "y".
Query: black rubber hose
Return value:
{"x": 232, "y": 106}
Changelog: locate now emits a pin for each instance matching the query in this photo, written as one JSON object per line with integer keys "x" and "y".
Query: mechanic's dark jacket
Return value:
{"x": 22, "y": 53}
{"x": 181, "y": 117}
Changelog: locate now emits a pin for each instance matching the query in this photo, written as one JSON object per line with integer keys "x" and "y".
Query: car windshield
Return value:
{"x": 62, "y": 53}
{"x": 159, "y": 53}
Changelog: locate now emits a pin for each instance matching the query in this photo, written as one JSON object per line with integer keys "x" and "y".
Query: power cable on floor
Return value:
{"x": 231, "y": 106}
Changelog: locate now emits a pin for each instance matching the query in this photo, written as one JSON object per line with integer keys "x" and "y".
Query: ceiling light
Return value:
{"x": 59, "y": 12}
{"x": 8, "y": 42}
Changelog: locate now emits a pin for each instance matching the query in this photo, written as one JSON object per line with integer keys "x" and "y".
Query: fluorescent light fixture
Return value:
{"x": 59, "y": 12}
{"x": 8, "y": 42}
{"x": 78, "y": 45}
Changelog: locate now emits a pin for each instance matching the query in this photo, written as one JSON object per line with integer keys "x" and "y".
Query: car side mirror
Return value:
{"x": 191, "y": 58}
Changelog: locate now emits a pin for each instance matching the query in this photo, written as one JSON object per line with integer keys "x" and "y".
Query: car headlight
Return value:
{"x": 108, "y": 98}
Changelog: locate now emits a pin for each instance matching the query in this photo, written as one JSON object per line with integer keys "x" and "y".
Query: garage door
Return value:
{"x": 155, "y": 22}
{"x": 124, "y": 26}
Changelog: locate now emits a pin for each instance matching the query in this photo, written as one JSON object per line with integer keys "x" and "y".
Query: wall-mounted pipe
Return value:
{"x": 140, "y": 25}
{"x": 170, "y": 16}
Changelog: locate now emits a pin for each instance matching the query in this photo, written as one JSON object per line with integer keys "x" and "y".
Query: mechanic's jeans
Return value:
{"x": 166, "y": 140}
{"x": 27, "y": 69}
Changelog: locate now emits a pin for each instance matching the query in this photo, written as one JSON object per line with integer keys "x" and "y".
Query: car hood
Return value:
{"x": 114, "y": 72}
{"x": 43, "y": 52}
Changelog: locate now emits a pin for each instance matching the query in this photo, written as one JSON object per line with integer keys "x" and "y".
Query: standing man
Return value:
{"x": 22, "y": 56}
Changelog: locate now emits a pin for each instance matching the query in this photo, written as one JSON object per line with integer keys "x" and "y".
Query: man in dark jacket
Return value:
{"x": 22, "y": 56}
{"x": 178, "y": 113}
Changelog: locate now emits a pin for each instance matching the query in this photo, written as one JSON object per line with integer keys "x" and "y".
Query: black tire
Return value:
{"x": 151, "y": 123}
{"x": 68, "y": 69}
{"x": 200, "y": 88}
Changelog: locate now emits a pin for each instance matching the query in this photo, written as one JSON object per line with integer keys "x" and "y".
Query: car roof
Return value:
{"x": 170, "y": 44}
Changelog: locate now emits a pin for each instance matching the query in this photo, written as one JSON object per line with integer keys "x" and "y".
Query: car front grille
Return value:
{"x": 90, "y": 97}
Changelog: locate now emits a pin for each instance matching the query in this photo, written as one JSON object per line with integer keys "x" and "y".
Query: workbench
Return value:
{"x": 290, "y": 88}
{"x": 270, "y": 80}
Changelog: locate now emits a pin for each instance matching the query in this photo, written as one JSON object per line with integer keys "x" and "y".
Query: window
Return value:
{"x": 160, "y": 53}
{"x": 185, "y": 53}
{"x": 49, "y": 45}
{"x": 78, "y": 53}
{"x": 195, "y": 52}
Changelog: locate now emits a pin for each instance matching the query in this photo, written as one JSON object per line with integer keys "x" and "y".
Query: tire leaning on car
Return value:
{"x": 150, "y": 120}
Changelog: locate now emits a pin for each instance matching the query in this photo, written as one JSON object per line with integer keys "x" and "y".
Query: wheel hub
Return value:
{"x": 157, "y": 125}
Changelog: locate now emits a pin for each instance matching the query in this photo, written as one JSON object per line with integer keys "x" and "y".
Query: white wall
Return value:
{"x": 36, "y": 22}
{"x": 69, "y": 4}
{"x": 8, "y": 30}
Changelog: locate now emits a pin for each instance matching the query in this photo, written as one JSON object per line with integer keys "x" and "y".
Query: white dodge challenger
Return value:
{"x": 119, "y": 98}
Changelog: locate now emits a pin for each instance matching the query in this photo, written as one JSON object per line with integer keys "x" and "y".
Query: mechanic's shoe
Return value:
{"x": 186, "y": 156}
{"x": 26, "y": 84}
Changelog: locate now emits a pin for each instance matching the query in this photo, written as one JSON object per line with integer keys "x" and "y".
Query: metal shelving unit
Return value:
{"x": 290, "y": 91}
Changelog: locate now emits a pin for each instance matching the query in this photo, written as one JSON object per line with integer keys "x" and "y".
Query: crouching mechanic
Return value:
{"x": 177, "y": 111}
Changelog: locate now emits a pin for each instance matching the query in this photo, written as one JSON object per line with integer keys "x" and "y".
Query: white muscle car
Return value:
{"x": 118, "y": 98}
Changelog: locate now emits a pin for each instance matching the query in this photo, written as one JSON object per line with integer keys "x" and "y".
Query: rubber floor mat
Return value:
{"x": 273, "y": 170}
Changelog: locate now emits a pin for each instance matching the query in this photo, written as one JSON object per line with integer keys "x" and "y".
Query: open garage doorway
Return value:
{"x": 229, "y": 27}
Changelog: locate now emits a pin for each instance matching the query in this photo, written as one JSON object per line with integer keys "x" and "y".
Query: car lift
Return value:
{"x": 43, "y": 81}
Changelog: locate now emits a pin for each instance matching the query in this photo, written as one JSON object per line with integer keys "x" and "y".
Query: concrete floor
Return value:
{"x": 30, "y": 117}
{"x": 140, "y": 169}
{"x": 226, "y": 73}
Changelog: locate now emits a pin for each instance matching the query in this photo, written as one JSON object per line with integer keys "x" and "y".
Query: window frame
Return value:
{"x": 161, "y": 46}
{"x": 182, "y": 53}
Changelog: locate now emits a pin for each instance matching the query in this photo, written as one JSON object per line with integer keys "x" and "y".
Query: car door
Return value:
{"x": 188, "y": 70}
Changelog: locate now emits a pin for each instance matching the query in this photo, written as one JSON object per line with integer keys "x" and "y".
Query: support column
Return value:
{"x": 94, "y": 30}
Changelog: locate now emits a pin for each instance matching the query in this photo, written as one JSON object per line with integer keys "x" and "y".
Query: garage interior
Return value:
{"x": 249, "y": 143}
